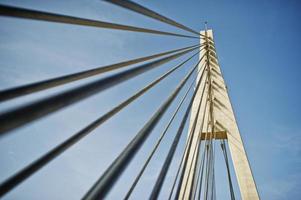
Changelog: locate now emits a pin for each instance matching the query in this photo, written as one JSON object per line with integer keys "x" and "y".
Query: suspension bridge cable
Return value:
{"x": 103, "y": 185}
{"x": 161, "y": 177}
{"x": 27, "y": 113}
{"x": 194, "y": 155}
{"x": 205, "y": 147}
{"x": 207, "y": 138}
{"x": 207, "y": 172}
{"x": 208, "y": 141}
{"x": 193, "y": 188}
{"x": 213, "y": 172}
{"x": 206, "y": 152}
{"x": 210, "y": 169}
{"x": 206, "y": 169}
{"x": 210, "y": 172}
{"x": 224, "y": 150}
{"x": 158, "y": 185}
{"x": 11, "y": 11}
{"x": 130, "y": 5}
{"x": 157, "y": 144}
{"x": 197, "y": 176}
{"x": 200, "y": 131}
{"x": 209, "y": 160}
{"x": 30, "y": 169}
{"x": 190, "y": 135}
{"x": 186, "y": 154}
{"x": 179, "y": 188}
{"x": 200, "y": 176}
{"x": 180, "y": 165}
{"x": 50, "y": 83}
{"x": 214, "y": 188}
{"x": 196, "y": 166}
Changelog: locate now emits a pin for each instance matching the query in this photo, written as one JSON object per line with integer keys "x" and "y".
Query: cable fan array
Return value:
{"x": 203, "y": 169}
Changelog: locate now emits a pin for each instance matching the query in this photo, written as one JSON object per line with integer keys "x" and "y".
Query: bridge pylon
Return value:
{"x": 213, "y": 119}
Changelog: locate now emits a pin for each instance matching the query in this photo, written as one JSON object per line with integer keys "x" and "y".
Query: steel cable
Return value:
{"x": 57, "y": 81}
{"x": 158, "y": 185}
{"x": 30, "y": 169}
{"x": 190, "y": 135}
{"x": 103, "y": 185}
{"x": 157, "y": 144}
{"x": 186, "y": 156}
{"x": 11, "y": 11}
{"x": 27, "y": 113}
{"x": 224, "y": 150}
{"x": 130, "y": 5}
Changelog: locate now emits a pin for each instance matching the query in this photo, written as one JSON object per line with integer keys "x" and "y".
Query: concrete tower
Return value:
{"x": 225, "y": 126}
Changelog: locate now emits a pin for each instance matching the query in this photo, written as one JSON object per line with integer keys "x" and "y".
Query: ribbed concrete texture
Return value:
{"x": 224, "y": 120}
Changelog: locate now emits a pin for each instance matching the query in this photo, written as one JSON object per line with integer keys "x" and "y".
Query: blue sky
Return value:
{"x": 258, "y": 44}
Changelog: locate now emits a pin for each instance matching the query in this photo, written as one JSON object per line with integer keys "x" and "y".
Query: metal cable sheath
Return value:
{"x": 207, "y": 138}
{"x": 196, "y": 165}
{"x": 190, "y": 139}
{"x": 53, "y": 17}
{"x": 103, "y": 185}
{"x": 27, "y": 113}
{"x": 194, "y": 185}
{"x": 197, "y": 142}
{"x": 180, "y": 165}
{"x": 200, "y": 178}
{"x": 161, "y": 177}
{"x": 157, "y": 144}
{"x": 189, "y": 148}
{"x": 206, "y": 152}
{"x": 30, "y": 169}
{"x": 130, "y": 5}
{"x": 183, "y": 156}
{"x": 57, "y": 81}
{"x": 224, "y": 150}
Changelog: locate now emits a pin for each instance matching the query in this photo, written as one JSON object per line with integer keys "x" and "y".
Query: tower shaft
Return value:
{"x": 224, "y": 121}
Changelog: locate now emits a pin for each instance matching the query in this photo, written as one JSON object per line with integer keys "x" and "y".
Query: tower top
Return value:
{"x": 206, "y": 23}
